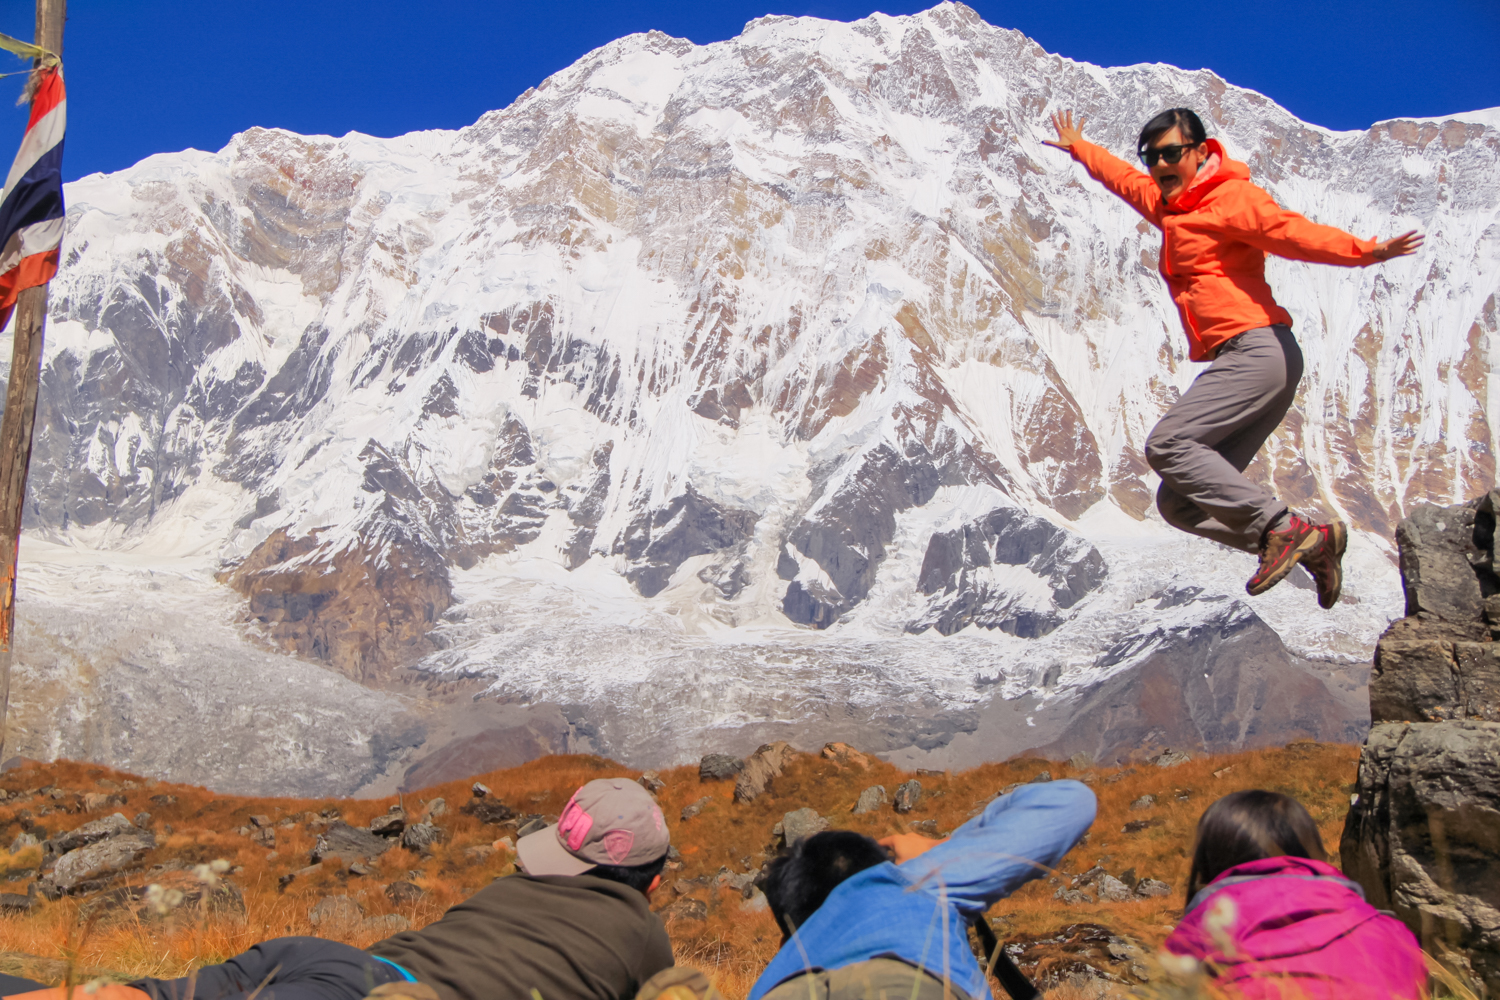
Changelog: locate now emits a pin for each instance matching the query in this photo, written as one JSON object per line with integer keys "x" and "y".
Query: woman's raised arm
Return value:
{"x": 1133, "y": 187}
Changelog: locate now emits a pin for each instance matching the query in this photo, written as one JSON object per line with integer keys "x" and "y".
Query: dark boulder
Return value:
{"x": 349, "y": 844}
{"x": 420, "y": 837}
{"x": 719, "y": 766}
{"x": 488, "y": 810}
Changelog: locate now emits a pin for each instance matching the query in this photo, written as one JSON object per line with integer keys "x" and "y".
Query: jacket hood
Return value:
{"x": 1280, "y": 906}
{"x": 1215, "y": 171}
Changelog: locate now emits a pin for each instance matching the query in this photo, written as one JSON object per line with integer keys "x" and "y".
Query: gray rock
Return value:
{"x": 142, "y": 820}
{"x": 260, "y": 821}
{"x": 480, "y": 790}
{"x": 761, "y": 767}
{"x": 908, "y": 794}
{"x": 718, "y": 767}
{"x": 478, "y": 854}
{"x": 437, "y": 807}
{"x": 1423, "y": 835}
{"x": 1041, "y": 776}
{"x": 14, "y": 902}
{"x": 333, "y": 914}
{"x": 1171, "y": 758}
{"x": 420, "y": 837}
{"x": 389, "y": 825}
{"x": 91, "y": 833}
{"x": 23, "y": 841}
{"x": 741, "y": 882}
{"x": 264, "y": 836}
{"x": 403, "y": 892}
{"x": 693, "y": 809}
{"x": 102, "y": 858}
{"x": 1144, "y": 802}
{"x": 488, "y": 810}
{"x": 800, "y": 823}
{"x": 685, "y": 909}
{"x": 531, "y": 826}
{"x": 871, "y": 799}
{"x": 1447, "y": 559}
{"x": 349, "y": 844}
{"x": 1073, "y": 897}
{"x": 1430, "y": 680}
{"x": 385, "y": 925}
{"x": 1423, "y": 832}
{"x": 1152, "y": 887}
{"x": 651, "y": 782}
{"x": 755, "y": 902}
{"x": 1112, "y": 889}
{"x": 1081, "y": 761}
{"x": 94, "y": 801}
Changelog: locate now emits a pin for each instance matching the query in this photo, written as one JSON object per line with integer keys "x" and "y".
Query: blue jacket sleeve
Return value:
{"x": 1017, "y": 838}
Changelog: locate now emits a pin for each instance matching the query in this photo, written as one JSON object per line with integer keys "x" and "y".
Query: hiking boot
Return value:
{"x": 1325, "y": 565}
{"x": 1282, "y": 550}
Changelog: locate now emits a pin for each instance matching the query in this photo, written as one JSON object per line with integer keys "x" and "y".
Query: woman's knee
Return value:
{"x": 1162, "y": 446}
{"x": 1174, "y": 508}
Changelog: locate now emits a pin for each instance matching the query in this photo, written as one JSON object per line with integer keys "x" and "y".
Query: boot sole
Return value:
{"x": 1309, "y": 545}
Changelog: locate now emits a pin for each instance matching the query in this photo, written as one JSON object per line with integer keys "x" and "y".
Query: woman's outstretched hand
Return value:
{"x": 1067, "y": 132}
{"x": 1401, "y": 246}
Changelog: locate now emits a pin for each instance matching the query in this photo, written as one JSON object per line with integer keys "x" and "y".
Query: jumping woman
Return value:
{"x": 1217, "y": 228}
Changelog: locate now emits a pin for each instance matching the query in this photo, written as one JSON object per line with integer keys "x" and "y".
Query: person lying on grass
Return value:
{"x": 867, "y": 918}
{"x": 575, "y": 925}
{"x": 1270, "y": 919}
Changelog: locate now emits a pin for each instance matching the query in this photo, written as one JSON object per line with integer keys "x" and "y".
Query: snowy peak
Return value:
{"x": 802, "y": 328}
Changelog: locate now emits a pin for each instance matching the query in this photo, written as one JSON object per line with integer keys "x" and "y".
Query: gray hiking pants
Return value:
{"x": 1202, "y": 445}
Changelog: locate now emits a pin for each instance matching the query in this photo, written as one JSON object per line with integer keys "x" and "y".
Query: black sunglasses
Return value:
{"x": 1171, "y": 154}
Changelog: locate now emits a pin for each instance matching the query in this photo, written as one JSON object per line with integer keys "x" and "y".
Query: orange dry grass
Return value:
{"x": 732, "y": 944}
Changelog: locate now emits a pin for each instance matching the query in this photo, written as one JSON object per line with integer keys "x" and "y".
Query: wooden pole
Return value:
{"x": 28, "y": 323}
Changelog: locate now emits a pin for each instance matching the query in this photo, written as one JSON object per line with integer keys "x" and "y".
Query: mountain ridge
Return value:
{"x": 694, "y": 345}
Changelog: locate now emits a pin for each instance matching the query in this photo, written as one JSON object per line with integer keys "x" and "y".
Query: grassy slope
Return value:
{"x": 731, "y": 943}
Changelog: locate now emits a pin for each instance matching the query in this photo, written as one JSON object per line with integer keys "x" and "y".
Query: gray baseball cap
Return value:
{"x": 609, "y": 821}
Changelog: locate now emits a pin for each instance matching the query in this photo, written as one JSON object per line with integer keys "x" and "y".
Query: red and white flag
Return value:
{"x": 31, "y": 208}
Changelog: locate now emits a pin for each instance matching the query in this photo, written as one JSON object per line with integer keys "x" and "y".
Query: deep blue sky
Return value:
{"x": 147, "y": 76}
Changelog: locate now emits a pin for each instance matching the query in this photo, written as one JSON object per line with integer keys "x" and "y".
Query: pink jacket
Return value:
{"x": 1300, "y": 931}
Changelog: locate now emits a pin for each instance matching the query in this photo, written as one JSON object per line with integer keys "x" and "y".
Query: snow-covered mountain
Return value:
{"x": 783, "y": 384}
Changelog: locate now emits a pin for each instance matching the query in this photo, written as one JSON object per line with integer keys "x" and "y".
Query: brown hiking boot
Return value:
{"x": 1282, "y": 550}
{"x": 1326, "y": 564}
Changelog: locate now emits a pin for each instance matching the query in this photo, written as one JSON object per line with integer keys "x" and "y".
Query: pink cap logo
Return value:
{"x": 574, "y": 825}
{"x": 617, "y": 844}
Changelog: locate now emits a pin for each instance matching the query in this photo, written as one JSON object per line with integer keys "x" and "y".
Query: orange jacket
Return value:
{"x": 1214, "y": 241}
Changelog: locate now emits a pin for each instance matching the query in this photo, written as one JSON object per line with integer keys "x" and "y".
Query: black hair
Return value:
{"x": 638, "y": 877}
{"x": 799, "y": 880}
{"x": 1183, "y": 118}
{"x": 1248, "y": 826}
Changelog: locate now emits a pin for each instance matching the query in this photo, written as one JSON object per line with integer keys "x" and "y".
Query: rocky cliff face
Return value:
{"x": 1423, "y": 834}
{"x": 694, "y": 348}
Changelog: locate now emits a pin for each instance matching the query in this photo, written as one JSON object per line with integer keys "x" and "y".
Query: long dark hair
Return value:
{"x": 1183, "y": 118}
{"x": 1247, "y": 826}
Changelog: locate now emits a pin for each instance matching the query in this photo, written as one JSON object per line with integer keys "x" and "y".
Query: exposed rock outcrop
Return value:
{"x": 658, "y": 541}
{"x": 1423, "y": 833}
{"x": 958, "y": 564}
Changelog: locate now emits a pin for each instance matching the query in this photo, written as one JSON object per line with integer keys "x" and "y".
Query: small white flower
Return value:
{"x": 1221, "y": 917}
{"x": 1182, "y": 966}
